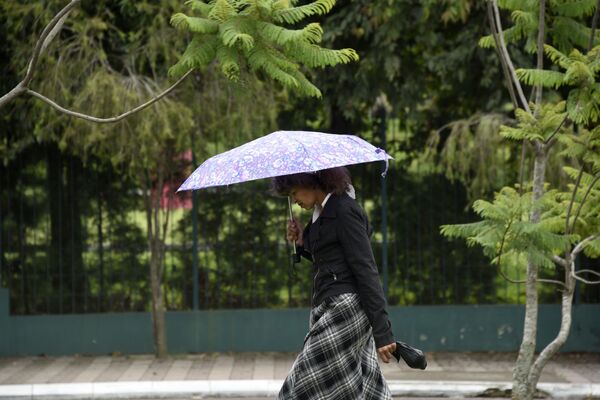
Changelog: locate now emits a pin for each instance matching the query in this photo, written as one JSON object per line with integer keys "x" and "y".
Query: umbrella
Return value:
{"x": 283, "y": 153}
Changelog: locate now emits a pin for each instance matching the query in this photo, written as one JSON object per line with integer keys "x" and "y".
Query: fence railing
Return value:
{"x": 80, "y": 246}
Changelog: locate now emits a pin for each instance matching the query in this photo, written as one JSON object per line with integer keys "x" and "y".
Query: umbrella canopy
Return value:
{"x": 282, "y": 153}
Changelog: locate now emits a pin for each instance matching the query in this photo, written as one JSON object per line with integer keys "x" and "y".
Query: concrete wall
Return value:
{"x": 432, "y": 328}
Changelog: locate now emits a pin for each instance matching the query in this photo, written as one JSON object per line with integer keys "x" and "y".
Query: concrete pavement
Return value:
{"x": 261, "y": 375}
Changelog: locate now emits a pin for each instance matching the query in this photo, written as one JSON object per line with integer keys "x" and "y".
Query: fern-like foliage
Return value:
{"x": 248, "y": 35}
{"x": 506, "y": 232}
{"x": 565, "y": 23}
{"x": 537, "y": 126}
{"x": 580, "y": 70}
{"x": 292, "y": 15}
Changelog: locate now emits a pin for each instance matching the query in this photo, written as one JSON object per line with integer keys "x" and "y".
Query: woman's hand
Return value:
{"x": 294, "y": 233}
{"x": 385, "y": 352}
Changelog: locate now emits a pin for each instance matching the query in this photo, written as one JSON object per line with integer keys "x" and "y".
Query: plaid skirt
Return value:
{"x": 338, "y": 360}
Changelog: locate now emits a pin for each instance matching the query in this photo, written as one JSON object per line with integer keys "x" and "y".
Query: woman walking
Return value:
{"x": 349, "y": 324}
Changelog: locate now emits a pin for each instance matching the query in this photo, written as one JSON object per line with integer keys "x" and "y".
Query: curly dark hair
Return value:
{"x": 336, "y": 180}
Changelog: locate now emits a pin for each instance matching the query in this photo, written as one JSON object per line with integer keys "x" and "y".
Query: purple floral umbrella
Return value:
{"x": 283, "y": 153}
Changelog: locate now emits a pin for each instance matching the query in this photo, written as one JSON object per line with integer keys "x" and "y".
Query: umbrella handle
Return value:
{"x": 291, "y": 219}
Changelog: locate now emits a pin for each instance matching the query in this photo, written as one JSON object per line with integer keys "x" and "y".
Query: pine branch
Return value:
{"x": 111, "y": 119}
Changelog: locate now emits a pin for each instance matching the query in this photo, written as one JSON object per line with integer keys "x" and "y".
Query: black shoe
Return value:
{"x": 414, "y": 358}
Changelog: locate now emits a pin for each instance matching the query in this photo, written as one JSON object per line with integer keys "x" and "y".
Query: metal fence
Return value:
{"x": 72, "y": 240}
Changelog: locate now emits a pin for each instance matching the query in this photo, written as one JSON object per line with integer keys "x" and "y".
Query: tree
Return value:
{"x": 531, "y": 225}
{"x": 239, "y": 36}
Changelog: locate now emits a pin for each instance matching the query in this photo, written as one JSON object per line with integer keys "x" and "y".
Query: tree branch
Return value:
{"x": 551, "y": 137}
{"x": 560, "y": 261}
{"x": 506, "y": 56}
{"x": 581, "y": 279}
{"x": 588, "y": 271}
{"x": 540, "y": 51}
{"x": 559, "y": 283}
{"x": 581, "y": 245}
{"x": 514, "y": 280}
{"x": 510, "y": 279}
{"x": 570, "y": 208}
{"x": 522, "y": 166}
{"x": 594, "y": 25}
{"x": 511, "y": 89}
{"x": 57, "y": 28}
{"x": 583, "y": 200}
{"x": 111, "y": 119}
{"x": 47, "y": 35}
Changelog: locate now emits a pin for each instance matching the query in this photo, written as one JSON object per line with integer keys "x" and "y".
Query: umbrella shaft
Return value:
{"x": 291, "y": 219}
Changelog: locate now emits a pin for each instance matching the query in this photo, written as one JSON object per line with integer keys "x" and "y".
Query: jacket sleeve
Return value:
{"x": 353, "y": 236}
{"x": 300, "y": 250}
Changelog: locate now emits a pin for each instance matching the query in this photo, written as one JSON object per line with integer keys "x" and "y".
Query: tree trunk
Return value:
{"x": 156, "y": 247}
{"x": 159, "y": 328}
{"x": 522, "y": 387}
{"x": 563, "y": 333}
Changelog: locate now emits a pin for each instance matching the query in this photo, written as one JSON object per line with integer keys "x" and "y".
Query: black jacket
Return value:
{"x": 338, "y": 244}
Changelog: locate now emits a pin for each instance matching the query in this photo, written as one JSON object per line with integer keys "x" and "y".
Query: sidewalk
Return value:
{"x": 261, "y": 375}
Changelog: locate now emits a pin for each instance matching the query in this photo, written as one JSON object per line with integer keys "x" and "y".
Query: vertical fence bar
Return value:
{"x": 384, "y": 246}
{"x": 100, "y": 254}
{"x": 21, "y": 228}
{"x": 577, "y": 295}
{"x": 2, "y": 224}
{"x": 206, "y": 264}
{"x": 196, "y": 289}
{"x": 72, "y": 230}
{"x": 60, "y": 231}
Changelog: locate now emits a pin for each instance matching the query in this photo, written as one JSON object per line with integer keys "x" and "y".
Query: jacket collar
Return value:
{"x": 330, "y": 209}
